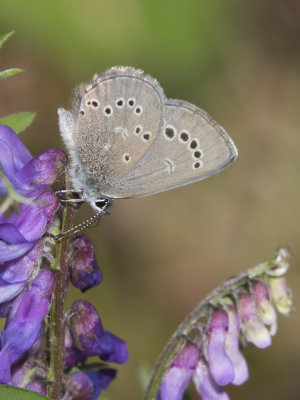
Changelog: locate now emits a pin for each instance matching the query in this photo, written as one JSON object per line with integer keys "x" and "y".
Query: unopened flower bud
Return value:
{"x": 84, "y": 271}
{"x": 264, "y": 306}
{"x": 282, "y": 295}
{"x": 253, "y": 329}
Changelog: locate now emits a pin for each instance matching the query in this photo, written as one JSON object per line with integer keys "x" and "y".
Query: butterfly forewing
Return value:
{"x": 118, "y": 119}
{"x": 189, "y": 147}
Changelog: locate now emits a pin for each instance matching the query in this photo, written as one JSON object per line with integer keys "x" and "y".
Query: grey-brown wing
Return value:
{"x": 116, "y": 119}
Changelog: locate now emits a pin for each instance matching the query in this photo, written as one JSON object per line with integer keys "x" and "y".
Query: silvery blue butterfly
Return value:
{"x": 126, "y": 139}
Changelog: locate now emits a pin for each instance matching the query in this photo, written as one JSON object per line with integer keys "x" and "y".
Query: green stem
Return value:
{"x": 57, "y": 317}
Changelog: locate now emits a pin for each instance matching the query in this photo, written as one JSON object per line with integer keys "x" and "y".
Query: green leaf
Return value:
{"x": 5, "y": 37}
{"x": 10, "y": 72}
{"x": 19, "y": 121}
{"x": 14, "y": 393}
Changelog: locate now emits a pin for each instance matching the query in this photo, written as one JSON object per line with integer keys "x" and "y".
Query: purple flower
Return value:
{"x": 15, "y": 273}
{"x": 220, "y": 364}
{"x": 23, "y": 171}
{"x": 180, "y": 373}
{"x": 205, "y": 384}
{"x": 216, "y": 360}
{"x": 37, "y": 386}
{"x": 252, "y": 327}
{"x": 79, "y": 386}
{"x": 84, "y": 271}
{"x": 241, "y": 373}
{"x": 24, "y": 321}
{"x": 264, "y": 305}
{"x": 87, "y": 385}
{"x": 20, "y": 234}
{"x": 72, "y": 355}
{"x": 30, "y": 176}
{"x": 90, "y": 337}
{"x": 101, "y": 379}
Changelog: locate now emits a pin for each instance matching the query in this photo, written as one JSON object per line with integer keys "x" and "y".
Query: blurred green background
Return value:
{"x": 160, "y": 255}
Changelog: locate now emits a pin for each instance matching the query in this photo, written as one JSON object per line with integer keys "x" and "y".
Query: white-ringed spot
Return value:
{"x": 95, "y": 103}
{"x": 197, "y": 154}
{"x": 197, "y": 165}
{"x": 107, "y": 111}
{"x": 131, "y": 102}
{"x": 138, "y": 110}
{"x": 138, "y": 129}
{"x": 169, "y": 132}
{"x": 184, "y": 136}
{"x": 126, "y": 158}
{"x": 146, "y": 136}
{"x": 194, "y": 144}
{"x": 120, "y": 102}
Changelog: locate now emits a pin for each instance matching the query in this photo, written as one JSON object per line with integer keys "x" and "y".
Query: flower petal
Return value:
{"x": 44, "y": 168}
{"x": 253, "y": 329}
{"x": 205, "y": 384}
{"x": 21, "y": 154}
{"x": 179, "y": 374}
{"x": 101, "y": 379}
{"x": 25, "y": 318}
{"x": 241, "y": 373}
{"x": 220, "y": 364}
{"x": 111, "y": 348}
{"x": 84, "y": 271}
{"x": 264, "y": 306}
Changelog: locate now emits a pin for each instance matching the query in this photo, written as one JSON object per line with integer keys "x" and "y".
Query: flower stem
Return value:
{"x": 57, "y": 317}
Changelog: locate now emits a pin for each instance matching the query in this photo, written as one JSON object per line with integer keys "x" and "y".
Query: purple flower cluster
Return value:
{"x": 216, "y": 360}
{"x": 27, "y": 282}
{"x": 25, "y": 288}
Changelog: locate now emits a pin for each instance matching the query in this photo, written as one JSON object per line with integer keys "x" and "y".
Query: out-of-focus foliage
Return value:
{"x": 18, "y": 121}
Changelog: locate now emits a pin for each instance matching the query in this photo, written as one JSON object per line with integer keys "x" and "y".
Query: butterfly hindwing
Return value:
{"x": 189, "y": 147}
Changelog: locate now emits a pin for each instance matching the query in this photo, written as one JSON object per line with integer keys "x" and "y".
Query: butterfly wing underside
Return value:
{"x": 115, "y": 121}
{"x": 189, "y": 147}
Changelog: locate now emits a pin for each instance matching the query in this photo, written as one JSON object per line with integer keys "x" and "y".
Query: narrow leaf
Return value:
{"x": 10, "y": 72}
{"x": 14, "y": 393}
{"x": 18, "y": 122}
{"x": 5, "y": 37}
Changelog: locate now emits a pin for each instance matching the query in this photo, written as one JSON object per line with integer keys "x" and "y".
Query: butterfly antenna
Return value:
{"x": 80, "y": 227}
